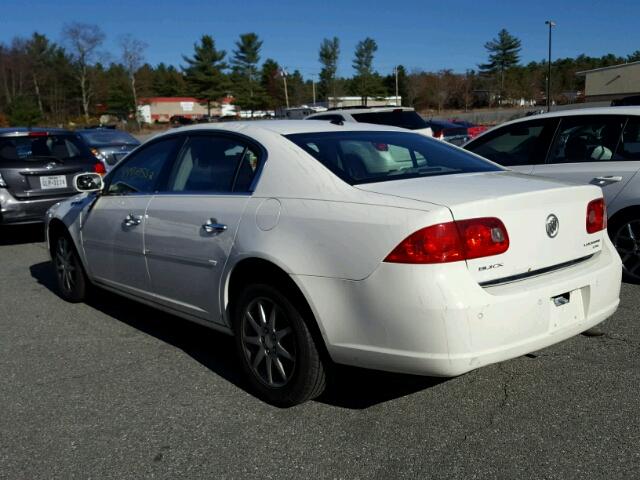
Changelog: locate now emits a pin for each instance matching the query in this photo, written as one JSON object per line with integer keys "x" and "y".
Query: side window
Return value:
{"x": 519, "y": 144}
{"x": 217, "y": 164}
{"x": 141, "y": 172}
{"x": 629, "y": 147}
{"x": 586, "y": 139}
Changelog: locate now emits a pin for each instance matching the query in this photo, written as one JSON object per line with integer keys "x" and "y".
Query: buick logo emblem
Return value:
{"x": 552, "y": 225}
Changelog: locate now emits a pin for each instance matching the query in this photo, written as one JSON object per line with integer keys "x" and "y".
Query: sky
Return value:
{"x": 419, "y": 34}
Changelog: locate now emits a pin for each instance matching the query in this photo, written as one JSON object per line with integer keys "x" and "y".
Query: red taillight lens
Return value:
{"x": 452, "y": 242}
{"x": 596, "y": 216}
{"x": 99, "y": 168}
{"x": 38, "y": 134}
{"x": 437, "y": 134}
{"x": 483, "y": 237}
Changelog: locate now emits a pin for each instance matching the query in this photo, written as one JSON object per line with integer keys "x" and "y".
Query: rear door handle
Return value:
{"x": 132, "y": 220}
{"x": 212, "y": 226}
{"x": 606, "y": 180}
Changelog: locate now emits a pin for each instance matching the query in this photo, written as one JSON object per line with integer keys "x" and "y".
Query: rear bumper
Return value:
{"x": 435, "y": 320}
{"x": 14, "y": 211}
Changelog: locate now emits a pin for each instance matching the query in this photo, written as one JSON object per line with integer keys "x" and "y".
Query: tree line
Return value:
{"x": 47, "y": 82}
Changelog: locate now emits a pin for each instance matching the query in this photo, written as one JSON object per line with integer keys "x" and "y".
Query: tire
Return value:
{"x": 278, "y": 353}
{"x": 70, "y": 275}
{"x": 625, "y": 236}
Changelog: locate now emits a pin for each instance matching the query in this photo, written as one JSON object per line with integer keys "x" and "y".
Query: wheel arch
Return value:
{"x": 632, "y": 210}
{"x": 251, "y": 269}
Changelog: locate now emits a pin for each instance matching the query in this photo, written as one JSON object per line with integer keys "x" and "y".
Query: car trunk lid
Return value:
{"x": 525, "y": 205}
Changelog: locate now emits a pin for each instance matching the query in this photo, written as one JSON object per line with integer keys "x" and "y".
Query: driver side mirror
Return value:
{"x": 88, "y": 182}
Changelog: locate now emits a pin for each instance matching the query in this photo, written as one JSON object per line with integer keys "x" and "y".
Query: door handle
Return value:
{"x": 606, "y": 180}
{"x": 212, "y": 226}
{"x": 132, "y": 220}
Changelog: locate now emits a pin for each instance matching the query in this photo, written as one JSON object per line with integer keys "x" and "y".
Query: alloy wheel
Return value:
{"x": 65, "y": 267}
{"x": 627, "y": 242}
{"x": 268, "y": 342}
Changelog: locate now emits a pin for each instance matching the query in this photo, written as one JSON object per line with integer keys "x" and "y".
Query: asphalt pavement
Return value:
{"x": 114, "y": 389}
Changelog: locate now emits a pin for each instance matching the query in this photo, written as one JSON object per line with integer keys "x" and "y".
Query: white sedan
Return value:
{"x": 357, "y": 244}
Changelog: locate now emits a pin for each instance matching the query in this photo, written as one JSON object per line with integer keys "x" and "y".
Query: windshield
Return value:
{"x": 42, "y": 147}
{"x": 108, "y": 137}
{"x": 366, "y": 157}
{"x": 397, "y": 118}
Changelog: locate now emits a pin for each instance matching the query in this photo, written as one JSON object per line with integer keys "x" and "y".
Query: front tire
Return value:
{"x": 71, "y": 278}
{"x": 276, "y": 348}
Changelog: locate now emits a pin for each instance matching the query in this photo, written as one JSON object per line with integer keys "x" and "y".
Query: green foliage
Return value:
{"x": 24, "y": 112}
{"x": 504, "y": 53}
{"x": 271, "y": 82}
{"x": 328, "y": 56}
{"x": 247, "y": 88}
{"x": 204, "y": 73}
{"x": 366, "y": 82}
{"x": 168, "y": 81}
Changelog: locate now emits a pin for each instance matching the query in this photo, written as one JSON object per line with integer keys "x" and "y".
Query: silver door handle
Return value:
{"x": 605, "y": 180}
{"x": 212, "y": 226}
{"x": 132, "y": 220}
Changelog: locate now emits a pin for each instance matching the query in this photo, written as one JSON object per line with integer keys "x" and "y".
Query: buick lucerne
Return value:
{"x": 365, "y": 245}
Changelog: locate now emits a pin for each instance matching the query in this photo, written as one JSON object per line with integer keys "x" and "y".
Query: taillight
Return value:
{"x": 99, "y": 168}
{"x": 596, "y": 216}
{"x": 452, "y": 242}
{"x": 437, "y": 134}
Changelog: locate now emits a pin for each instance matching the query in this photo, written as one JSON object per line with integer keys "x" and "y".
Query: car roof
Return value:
{"x": 356, "y": 110}
{"x": 18, "y": 131}
{"x": 285, "y": 127}
{"x": 574, "y": 112}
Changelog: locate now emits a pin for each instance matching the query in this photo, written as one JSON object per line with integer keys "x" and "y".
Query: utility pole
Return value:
{"x": 395, "y": 70}
{"x": 313, "y": 86}
{"x": 283, "y": 72}
{"x": 551, "y": 24}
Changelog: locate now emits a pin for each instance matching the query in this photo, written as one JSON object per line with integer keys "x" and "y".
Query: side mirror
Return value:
{"x": 88, "y": 182}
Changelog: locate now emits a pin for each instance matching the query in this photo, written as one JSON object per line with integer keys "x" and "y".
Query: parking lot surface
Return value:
{"x": 114, "y": 389}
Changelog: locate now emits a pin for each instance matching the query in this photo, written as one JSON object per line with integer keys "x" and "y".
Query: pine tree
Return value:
{"x": 504, "y": 53}
{"x": 366, "y": 83}
{"x": 247, "y": 89}
{"x": 272, "y": 83}
{"x": 328, "y": 55}
{"x": 204, "y": 72}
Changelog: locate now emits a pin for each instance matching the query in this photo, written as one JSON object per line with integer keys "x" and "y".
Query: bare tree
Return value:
{"x": 83, "y": 41}
{"x": 132, "y": 59}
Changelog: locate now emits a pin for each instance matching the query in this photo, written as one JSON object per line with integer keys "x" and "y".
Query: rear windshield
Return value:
{"x": 396, "y": 118}
{"x": 42, "y": 147}
{"x": 108, "y": 137}
{"x": 366, "y": 157}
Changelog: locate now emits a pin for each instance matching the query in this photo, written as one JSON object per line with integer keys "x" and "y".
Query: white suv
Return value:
{"x": 402, "y": 117}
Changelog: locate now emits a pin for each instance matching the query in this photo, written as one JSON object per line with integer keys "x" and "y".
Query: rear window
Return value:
{"x": 366, "y": 157}
{"x": 42, "y": 147}
{"x": 108, "y": 137}
{"x": 397, "y": 118}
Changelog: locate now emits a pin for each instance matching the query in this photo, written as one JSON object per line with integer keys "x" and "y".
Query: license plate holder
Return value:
{"x": 566, "y": 309}
{"x": 53, "y": 181}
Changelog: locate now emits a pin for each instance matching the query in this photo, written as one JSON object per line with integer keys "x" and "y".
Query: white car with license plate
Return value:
{"x": 309, "y": 245}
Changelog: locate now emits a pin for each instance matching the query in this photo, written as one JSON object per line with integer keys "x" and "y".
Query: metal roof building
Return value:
{"x": 612, "y": 83}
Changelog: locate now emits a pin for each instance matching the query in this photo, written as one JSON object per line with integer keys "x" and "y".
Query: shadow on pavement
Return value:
{"x": 348, "y": 387}
{"x": 21, "y": 234}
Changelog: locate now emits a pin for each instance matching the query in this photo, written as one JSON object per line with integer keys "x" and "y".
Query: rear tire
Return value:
{"x": 70, "y": 275}
{"x": 277, "y": 351}
{"x": 625, "y": 236}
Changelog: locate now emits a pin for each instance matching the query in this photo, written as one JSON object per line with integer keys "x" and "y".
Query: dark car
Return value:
{"x": 37, "y": 167}
{"x": 109, "y": 146}
{"x": 449, "y": 131}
